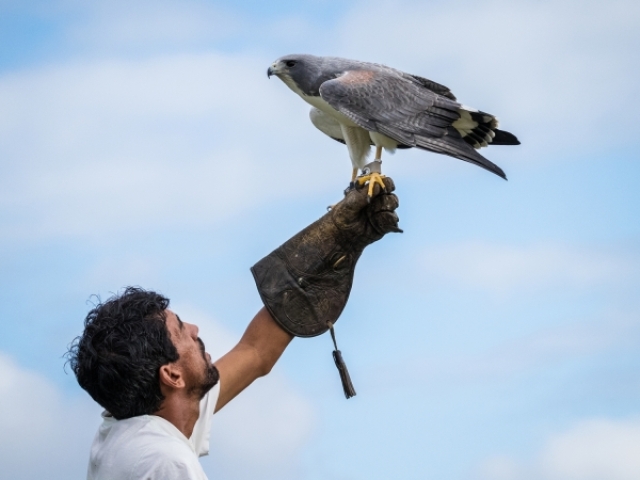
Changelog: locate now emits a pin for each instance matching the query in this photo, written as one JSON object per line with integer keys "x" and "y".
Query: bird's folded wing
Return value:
{"x": 402, "y": 109}
{"x": 390, "y": 104}
{"x": 434, "y": 86}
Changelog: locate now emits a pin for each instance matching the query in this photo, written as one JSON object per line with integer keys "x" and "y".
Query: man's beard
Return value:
{"x": 211, "y": 375}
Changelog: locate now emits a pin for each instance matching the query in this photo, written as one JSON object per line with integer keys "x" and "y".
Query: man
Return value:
{"x": 150, "y": 371}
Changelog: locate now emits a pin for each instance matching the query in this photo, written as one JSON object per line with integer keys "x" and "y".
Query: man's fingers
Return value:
{"x": 385, "y": 222}
{"x": 389, "y": 184}
{"x": 358, "y": 198}
{"x": 387, "y": 202}
{"x": 382, "y": 201}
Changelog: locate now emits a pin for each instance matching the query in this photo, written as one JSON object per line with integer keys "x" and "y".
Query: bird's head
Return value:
{"x": 300, "y": 72}
{"x": 287, "y": 66}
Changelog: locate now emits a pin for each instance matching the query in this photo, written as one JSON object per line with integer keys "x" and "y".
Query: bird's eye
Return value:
{"x": 291, "y": 63}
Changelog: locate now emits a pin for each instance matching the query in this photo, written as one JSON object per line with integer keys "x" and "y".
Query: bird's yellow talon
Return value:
{"x": 373, "y": 179}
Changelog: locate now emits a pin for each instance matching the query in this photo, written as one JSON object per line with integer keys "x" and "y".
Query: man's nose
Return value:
{"x": 194, "y": 330}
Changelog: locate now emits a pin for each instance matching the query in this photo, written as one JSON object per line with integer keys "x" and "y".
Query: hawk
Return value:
{"x": 363, "y": 104}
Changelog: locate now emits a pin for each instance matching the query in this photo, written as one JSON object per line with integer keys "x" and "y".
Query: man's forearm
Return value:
{"x": 267, "y": 338}
{"x": 255, "y": 355}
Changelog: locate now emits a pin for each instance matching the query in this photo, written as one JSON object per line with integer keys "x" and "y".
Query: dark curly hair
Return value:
{"x": 118, "y": 356}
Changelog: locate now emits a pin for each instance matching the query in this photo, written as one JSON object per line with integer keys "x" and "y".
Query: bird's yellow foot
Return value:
{"x": 373, "y": 178}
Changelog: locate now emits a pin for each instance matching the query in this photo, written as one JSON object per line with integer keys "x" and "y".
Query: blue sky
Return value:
{"x": 496, "y": 339}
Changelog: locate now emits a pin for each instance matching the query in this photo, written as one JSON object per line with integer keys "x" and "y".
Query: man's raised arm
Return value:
{"x": 305, "y": 283}
{"x": 255, "y": 354}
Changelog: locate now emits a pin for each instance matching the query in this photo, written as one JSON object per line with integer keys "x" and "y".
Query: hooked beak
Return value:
{"x": 271, "y": 70}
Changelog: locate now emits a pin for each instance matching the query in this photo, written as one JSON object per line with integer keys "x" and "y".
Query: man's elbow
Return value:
{"x": 265, "y": 365}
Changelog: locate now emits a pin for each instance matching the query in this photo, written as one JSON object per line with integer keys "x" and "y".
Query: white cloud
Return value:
{"x": 149, "y": 24}
{"x": 504, "y": 268}
{"x": 499, "y": 467}
{"x": 583, "y": 337}
{"x": 561, "y": 75}
{"x": 45, "y": 434}
{"x": 100, "y": 147}
{"x": 502, "y": 358}
{"x": 263, "y": 433}
{"x": 593, "y": 449}
{"x": 599, "y": 449}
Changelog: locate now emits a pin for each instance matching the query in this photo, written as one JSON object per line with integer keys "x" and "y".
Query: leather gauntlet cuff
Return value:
{"x": 305, "y": 283}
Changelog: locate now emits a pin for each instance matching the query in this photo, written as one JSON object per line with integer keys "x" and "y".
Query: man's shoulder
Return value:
{"x": 139, "y": 435}
{"x": 145, "y": 447}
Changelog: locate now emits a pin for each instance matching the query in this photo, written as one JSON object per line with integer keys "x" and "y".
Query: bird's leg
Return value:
{"x": 372, "y": 172}
{"x": 352, "y": 185}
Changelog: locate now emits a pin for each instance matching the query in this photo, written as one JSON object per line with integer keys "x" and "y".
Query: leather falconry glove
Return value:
{"x": 305, "y": 283}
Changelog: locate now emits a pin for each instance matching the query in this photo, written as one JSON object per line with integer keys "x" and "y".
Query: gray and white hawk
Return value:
{"x": 363, "y": 104}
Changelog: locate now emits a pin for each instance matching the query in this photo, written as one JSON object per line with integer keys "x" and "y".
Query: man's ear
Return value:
{"x": 171, "y": 376}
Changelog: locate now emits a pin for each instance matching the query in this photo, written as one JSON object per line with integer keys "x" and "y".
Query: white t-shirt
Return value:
{"x": 149, "y": 447}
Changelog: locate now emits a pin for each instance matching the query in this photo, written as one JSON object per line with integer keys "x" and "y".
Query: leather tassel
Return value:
{"x": 347, "y": 386}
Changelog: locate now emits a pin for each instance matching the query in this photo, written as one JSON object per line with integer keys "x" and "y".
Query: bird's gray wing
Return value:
{"x": 403, "y": 109}
{"x": 433, "y": 86}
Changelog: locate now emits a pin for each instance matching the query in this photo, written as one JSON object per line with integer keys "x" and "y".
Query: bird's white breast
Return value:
{"x": 319, "y": 103}
{"x": 363, "y": 145}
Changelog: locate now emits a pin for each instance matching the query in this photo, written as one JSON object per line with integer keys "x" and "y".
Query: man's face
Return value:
{"x": 200, "y": 374}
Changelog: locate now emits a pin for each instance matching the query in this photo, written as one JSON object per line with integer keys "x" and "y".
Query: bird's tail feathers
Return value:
{"x": 453, "y": 146}
{"x": 480, "y": 129}
{"x": 503, "y": 137}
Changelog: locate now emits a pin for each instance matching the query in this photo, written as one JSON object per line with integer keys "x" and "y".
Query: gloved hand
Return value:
{"x": 305, "y": 283}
